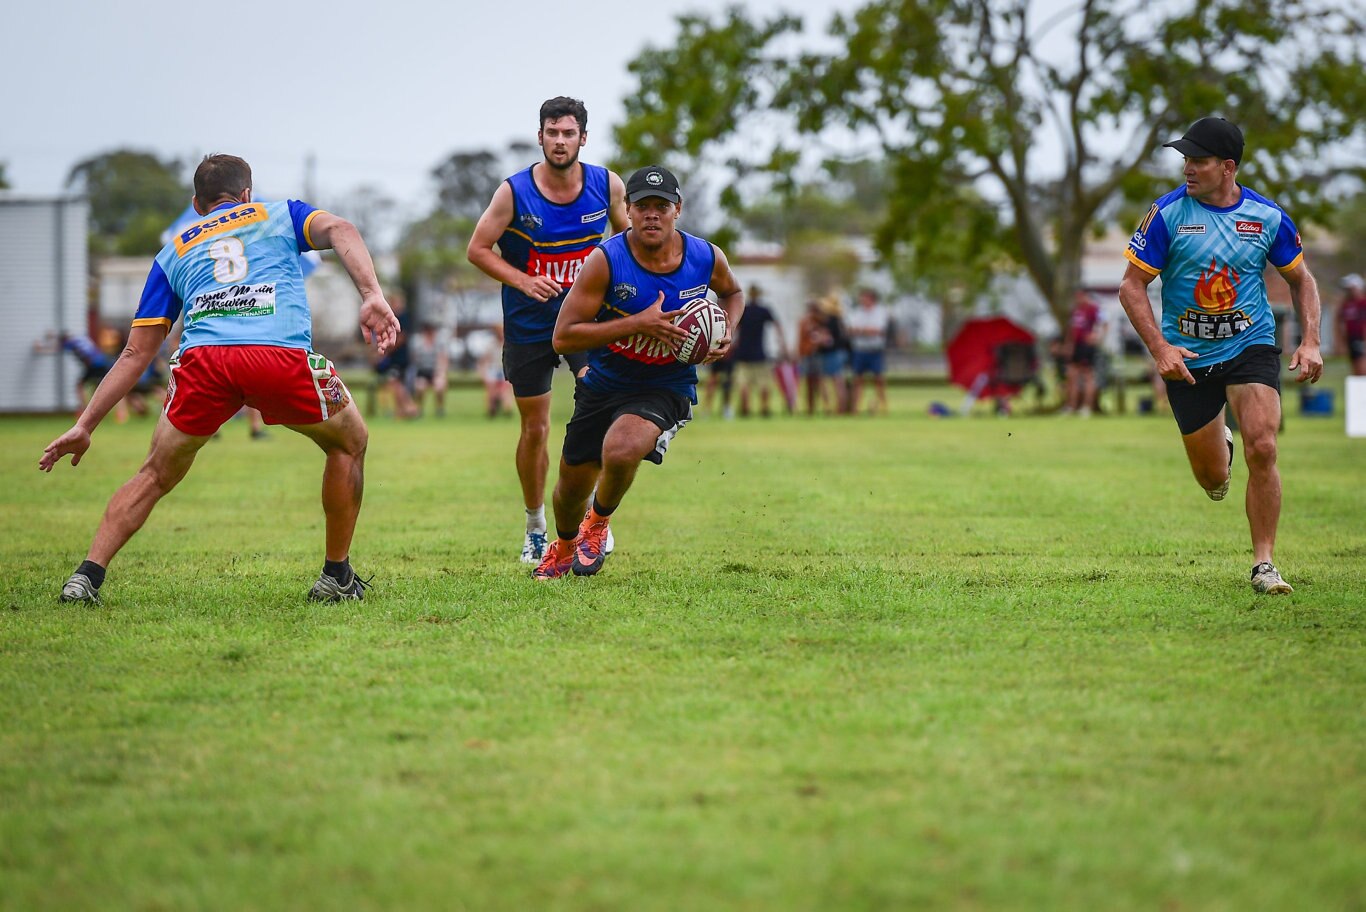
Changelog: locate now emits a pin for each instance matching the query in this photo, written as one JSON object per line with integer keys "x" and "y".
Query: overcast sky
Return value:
{"x": 378, "y": 91}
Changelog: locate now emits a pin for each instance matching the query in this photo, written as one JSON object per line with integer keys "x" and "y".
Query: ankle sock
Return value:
{"x": 338, "y": 570}
{"x": 600, "y": 510}
{"x": 93, "y": 571}
{"x": 535, "y": 519}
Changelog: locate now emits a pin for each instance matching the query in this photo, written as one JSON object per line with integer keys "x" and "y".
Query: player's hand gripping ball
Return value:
{"x": 705, "y": 323}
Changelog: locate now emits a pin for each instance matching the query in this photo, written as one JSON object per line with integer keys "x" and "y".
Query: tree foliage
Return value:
{"x": 465, "y": 181}
{"x": 4, "y": 179}
{"x": 134, "y": 196}
{"x": 1008, "y": 137}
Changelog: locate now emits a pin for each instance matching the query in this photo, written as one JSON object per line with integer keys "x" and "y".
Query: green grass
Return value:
{"x": 835, "y": 664}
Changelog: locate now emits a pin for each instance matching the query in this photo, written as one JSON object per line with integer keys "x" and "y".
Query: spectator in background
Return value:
{"x": 498, "y": 399}
{"x": 430, "y": 356}
{"x": 720, "y": 378}
{"x": 812, "y": 337}
{"x": 1349, "y": 329}
{"x": 391, "y": 369}
{"x": 1082, "y": 346}
{"x": 752, "y": 364}
{"x": 834, "y": 356}
{"x": 867, "y": 326}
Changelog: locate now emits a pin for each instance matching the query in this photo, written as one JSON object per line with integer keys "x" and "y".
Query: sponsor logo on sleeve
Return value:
{"x": 1190, "y": 229}
{"x": 1138, "y": 241}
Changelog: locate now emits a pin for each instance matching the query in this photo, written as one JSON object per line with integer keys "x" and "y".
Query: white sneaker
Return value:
{"x": 1221, "y": 492}
{"x": 1266, "y": 578}
{"x": 79, "y": 588}
{"x": 610, "y": 544}
{"x": 533, "y": 549}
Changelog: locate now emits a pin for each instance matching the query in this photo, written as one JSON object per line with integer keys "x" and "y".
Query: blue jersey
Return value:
{"x": 549, "y": 239}
{"x": 639, "y": 362}
{"x": 1212, "y": 261}
{"x": 236, "y": 275}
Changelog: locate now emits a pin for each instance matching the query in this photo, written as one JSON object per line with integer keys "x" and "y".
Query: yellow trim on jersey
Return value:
{"x": 541, "y": 245}
{"x": 1133, "y": 258}
{"x": 217, "y": 223}
{"x": 308, "y": 237}
{"x": 153, "y": 321}
{"x": 1290, "y": 267}
{"x": 1147, "y": 220}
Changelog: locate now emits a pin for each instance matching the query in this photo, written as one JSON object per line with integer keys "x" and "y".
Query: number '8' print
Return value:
{"x": 229, "y": 260}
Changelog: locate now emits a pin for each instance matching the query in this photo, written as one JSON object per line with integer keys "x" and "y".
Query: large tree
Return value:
{"x": 134, "y": 196}
{"x": 1008, "y": 134}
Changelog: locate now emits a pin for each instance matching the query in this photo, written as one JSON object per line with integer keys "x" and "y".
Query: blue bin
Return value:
{"x": 1316, "y": 402}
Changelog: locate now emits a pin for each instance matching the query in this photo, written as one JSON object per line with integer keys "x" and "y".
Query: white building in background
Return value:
{"x": 43, "y": 294}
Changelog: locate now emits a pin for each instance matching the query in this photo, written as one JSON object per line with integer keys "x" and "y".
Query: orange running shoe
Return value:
{"x": 590, "y": 549}
{"x": 559, "y": 557}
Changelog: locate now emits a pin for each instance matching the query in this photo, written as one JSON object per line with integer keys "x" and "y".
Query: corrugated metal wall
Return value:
{"x": 43, "y": 292}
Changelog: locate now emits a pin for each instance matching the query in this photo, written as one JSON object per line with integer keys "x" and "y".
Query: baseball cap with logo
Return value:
{"x": 653, "y": 180}
{"x": 1210, "y": 136}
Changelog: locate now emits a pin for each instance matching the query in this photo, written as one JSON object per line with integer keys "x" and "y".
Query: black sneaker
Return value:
{"x": 329, "y": 589}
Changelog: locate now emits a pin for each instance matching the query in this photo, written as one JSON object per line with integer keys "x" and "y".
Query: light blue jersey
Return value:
{"x": 1211, "y": 261}
{"x": 235, "y": 274}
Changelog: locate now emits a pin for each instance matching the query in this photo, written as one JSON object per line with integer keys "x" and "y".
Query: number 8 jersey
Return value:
{"x": 235, "y": 274}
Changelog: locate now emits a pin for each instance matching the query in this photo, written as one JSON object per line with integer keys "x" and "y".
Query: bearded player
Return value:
{"x": 1211, "y": 240}
{"x": 544, "y": 220}
{"x": 635, "y": 396}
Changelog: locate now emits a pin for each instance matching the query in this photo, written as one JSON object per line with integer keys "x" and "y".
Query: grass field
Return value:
{"x": 834, "y": 664}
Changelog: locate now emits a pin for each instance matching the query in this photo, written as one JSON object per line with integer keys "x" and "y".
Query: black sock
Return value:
{"x": 599, "y": 509}
{"x": 338, "y": 570}
{"x": 94, "y": 571}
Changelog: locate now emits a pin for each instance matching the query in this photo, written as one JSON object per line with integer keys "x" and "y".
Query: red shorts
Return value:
{"x": 210, "y": 383}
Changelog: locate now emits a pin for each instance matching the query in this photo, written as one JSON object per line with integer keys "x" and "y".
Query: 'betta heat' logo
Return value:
{"x": 1216, "y": 296}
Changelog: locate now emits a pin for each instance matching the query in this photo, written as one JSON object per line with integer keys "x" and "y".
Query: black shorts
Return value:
{"x": 1198, "y": 405}
{"x": 93, "y": 373}
{"x": 1356, "y": 348}
{"x": 1083, "y": 355}
{"x": 595, "y": 413}
{"x": 530, "y": 367}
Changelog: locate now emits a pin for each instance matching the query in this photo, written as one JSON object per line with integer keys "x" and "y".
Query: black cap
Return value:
{"x": 653, "y": 180}
{"x": 1211, "y": 136}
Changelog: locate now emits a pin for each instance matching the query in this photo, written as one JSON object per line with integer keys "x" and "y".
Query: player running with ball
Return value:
{"x": 635, "y": 395}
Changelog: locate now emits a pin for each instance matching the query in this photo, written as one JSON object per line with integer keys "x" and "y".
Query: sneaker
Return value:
{"x": 533, "y": 549}
{"x": 609, "y": 544}
{"x": 79, "y": 589}
{"x": 1266, "y": 578}
{"x": 1221, "y": 492}
{"x": 590, "y": 549}
{"x": 329, "y": 589}
{"x": 559, "y": 557}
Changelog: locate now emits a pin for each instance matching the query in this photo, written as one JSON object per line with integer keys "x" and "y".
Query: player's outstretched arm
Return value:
{"x": 1304, "y": 291}
{"x": 616, "y": 206}
{"x": 1133, "y": 295}
{"x": 577, "y": 328}
{"x": 732, "y": 300}
{"x": 496, "y": 218}
{"x": 377, "y": 321}
{"x": 142, "y": 347}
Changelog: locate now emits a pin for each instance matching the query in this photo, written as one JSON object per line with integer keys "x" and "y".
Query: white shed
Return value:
{"x": 43, "y": 293}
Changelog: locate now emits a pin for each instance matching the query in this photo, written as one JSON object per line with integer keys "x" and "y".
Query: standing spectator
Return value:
{"x": 1082, "y": 347}
{"x": 1350, "y": 326}
{"x": 834, "y": 356}
{"x": 430, "y": 358}
{"x": 497, "y": 390}
{"x": 391, "y": 368}
{"x": 867, "y": 327}
{"x": 752, "y": 364}
{"x": 812, "y": 338}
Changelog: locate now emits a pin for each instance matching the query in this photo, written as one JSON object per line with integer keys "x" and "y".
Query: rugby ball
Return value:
{"x": 705, "y": 323}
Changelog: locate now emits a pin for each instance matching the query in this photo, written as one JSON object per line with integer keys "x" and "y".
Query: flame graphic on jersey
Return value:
{"x": 1217, "y": 289}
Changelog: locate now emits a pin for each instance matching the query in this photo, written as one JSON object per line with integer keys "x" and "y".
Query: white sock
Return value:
{"x": 535, "y": 519}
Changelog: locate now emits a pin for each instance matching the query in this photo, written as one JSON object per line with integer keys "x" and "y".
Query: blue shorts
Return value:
{"x": 868, "y": 362}
{"x": 832, "y": 363}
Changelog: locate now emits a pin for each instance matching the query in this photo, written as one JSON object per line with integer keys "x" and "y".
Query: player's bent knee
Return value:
{"x": 1260, "y": 451}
